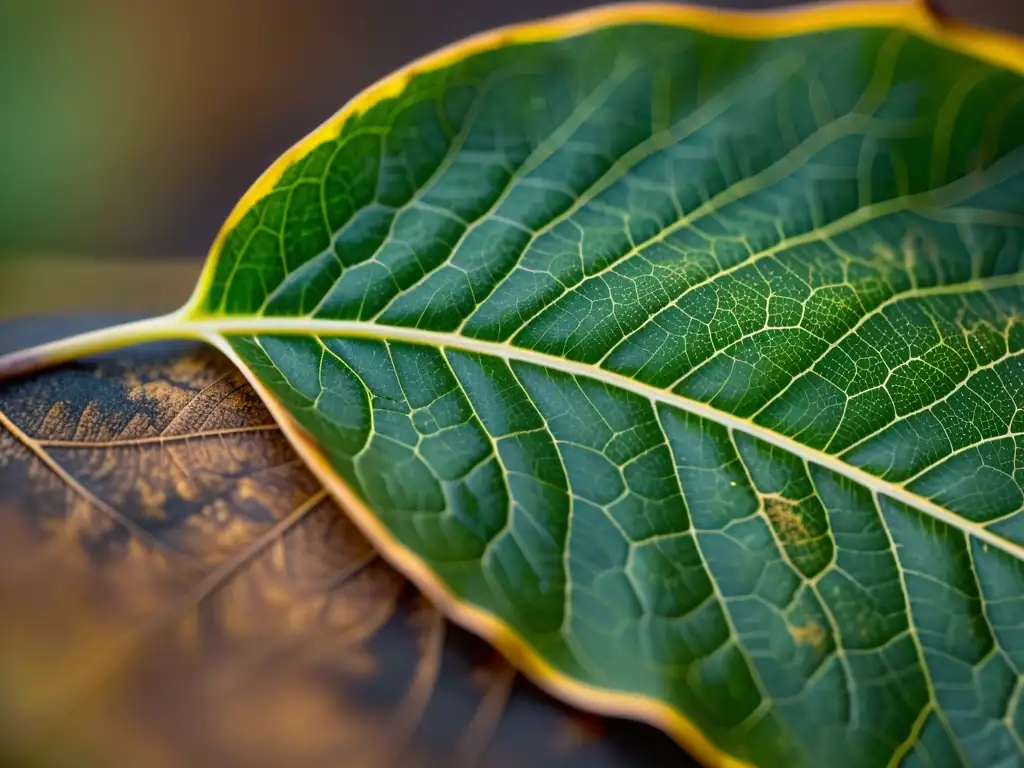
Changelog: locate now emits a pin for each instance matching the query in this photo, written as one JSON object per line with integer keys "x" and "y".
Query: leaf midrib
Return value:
{"x": 210, "y": 327}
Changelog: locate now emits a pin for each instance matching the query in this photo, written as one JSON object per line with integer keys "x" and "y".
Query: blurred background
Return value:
{"x": 129, "y": 128}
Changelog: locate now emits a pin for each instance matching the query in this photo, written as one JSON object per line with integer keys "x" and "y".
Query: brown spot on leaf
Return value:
{"x": 785, "y": 518}
{"x": 811, "y": 634}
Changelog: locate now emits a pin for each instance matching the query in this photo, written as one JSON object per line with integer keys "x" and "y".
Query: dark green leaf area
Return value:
{"x": 583, "y": 196}
{"x": 783, "y": 607}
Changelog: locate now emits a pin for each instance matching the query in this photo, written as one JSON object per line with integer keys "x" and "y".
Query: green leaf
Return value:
{"x": 679, "y": 354}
